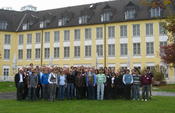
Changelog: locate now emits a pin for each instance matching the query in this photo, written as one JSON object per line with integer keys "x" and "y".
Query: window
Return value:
{"x": 123, "y": 49}
{"x": 44, "y": 24}
{"x": 83, "y": 19}
{"x": 56, "y": 52}
{"x": 29, "y": 38}
{"x": 111, "y": 50}
{"x": 136, "y": 30}
{"x": 20, "y": 54}
{"x": 105, "y": 17}
{"x": 99, "y": 50}
{"x": 47, "y": 53}
{"x": 130, "y": 14}
{"x": 136, "y": 49}
{"x": 6, "y": 54}
{"x": 56, "y": 36}
{"x": 37, "y": 53}
{"x": 111, "y": 32}
{"x": 163, "y": 43}
{"x": 62, "y": 21}
{"x": 29, "y": 53}
{"x": 66, "y": 35}
{"x": 7, "y": 39}
{"x": 38, "y": 38}
{"x": 155, "y": 12}
{"x": 20, "y": 40}
{"x": 3, "y": 25}
{"x": 162, "y": 30}
{"x": 87, "y": 51}
{"x": 150, "y": 48}
{"x": 41, "y": 24}
{"x": 77, "y": 34}
{"x": 66, "y": 52}
{"x": 47, "y": 37}
{"x": 149, "y": 29}
{"x": 25, "y": 26}
{"x": 6, "y": 73}
{"x": 99, "y": 33}
{"x": 77, "y": 51}
{"x": 123, "y": 31}
{"x": 87, "y": 34}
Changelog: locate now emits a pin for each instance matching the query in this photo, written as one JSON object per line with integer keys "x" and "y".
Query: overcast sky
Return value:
{"x": 44, "y": 4}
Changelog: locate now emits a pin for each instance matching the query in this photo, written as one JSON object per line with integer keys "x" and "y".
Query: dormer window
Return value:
{"x": 83, "y": 19}
{"x": 130, "y": 14}
{"x": 105, "y": 17}
{"x": 62, "y": 21}
{"x": 24, "y": 27}
{"x": 155, "y": 12}
{"x": 3, "y": 25}
{"x": 44, "y": 24}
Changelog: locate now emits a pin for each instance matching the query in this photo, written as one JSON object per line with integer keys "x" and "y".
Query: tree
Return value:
{"x": 168, "y": 54}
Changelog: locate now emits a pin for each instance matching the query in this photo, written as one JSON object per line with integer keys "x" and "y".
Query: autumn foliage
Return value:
{"x": 168, "y": 54}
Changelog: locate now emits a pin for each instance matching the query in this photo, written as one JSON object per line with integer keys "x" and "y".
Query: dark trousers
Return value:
{"x": 61, "y": 92}
{"x": 145, "y": 91}
{"x": 70, "y": 90}
{"x": 79, "y": 92}
{"x": 91, "y": 92}
{"x": 32, "y": 93}
{"x": 45, "y": 88}
{"x": 127, "y": 91}
{"x": 39, "y": 91}
{"x": 52, "y": 90}
{"x": 20, "y": 91}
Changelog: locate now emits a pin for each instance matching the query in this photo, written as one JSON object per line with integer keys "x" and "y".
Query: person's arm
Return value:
{"x": 131, "y": 79}
{"x": 124, "y": 79}
{"x": 94, "y": 79}
{"x": 104, "y": 78}
{"x": 49, "y": 78}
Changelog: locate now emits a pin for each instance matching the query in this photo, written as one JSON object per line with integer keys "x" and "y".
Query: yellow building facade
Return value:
{"x": 120, "y": 44}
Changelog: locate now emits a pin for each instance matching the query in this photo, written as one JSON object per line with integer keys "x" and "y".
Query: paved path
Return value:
{"x": 12, "y": 95}
{"x": 9, "y": 95}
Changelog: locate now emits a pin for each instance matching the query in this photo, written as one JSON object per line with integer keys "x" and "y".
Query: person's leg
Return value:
{"x": 102, "y": 91}
{"x": 143, "y": 92}
{"x": 147, "y": 91}
{"x": 137, "y": 92}
{"x": 54, "y": 91}
{"x": 29, "y": 94}
{"x": 72, "y": 91}
{"x": 68, "y": 90}
{"x": 98, "y": 92}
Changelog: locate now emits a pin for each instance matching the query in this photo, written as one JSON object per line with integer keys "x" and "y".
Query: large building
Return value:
{"x": 120, "y": 33}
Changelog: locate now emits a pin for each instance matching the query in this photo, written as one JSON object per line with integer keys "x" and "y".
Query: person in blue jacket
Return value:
{"x": 127, "y": 80}
{"x": 45, "y": 83}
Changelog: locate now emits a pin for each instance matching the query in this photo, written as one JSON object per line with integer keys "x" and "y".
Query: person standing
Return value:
{"x": 90, "y": 83}
{"x": 70, "y": 84}
{"x": 45, "y": 83}
{"x": 101, "y": 79}
{"x": 127, "y": 80}
{"x": 53, "y": 84}
{"x": 145, "y": 82}
{"x": 62, "y": 83}
{"x": 19, "y": 82}
{"x": 32, "y": 85}
{"x": 79, "y": 85}
{"x": 135, "y": 88}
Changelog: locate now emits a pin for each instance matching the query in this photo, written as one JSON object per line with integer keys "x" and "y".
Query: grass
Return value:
{"x": 156, "y": 105}
{"x": 7, "y": 87}
{"x": 167, "y": 88}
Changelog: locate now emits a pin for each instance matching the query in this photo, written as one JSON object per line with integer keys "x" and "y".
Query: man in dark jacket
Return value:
{"x": 19, "y": 82}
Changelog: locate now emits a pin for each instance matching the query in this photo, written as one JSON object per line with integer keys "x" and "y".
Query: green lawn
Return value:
{"x": 168, "y": 88}
{"x": 156, "y": 105}
{"x": 7, "y": 87}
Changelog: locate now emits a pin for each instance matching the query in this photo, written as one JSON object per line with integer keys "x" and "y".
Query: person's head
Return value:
{"x": 133, "y": 71}
{"x": 20, "y": 70}
{"x": 34, "y": 71}
{"x": 101, "y": 71}
{"x": 46, "y": 70}
{"x": 127, "y": 71}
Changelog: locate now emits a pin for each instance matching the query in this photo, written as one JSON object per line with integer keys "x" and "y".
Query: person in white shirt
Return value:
{"x": 53, "y": 84}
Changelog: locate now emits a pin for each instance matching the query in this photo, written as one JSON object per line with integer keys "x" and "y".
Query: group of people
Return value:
{"x": 57, "y": 83}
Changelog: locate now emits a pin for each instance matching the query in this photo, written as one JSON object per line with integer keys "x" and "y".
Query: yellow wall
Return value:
{"x": 117, "y": 60}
